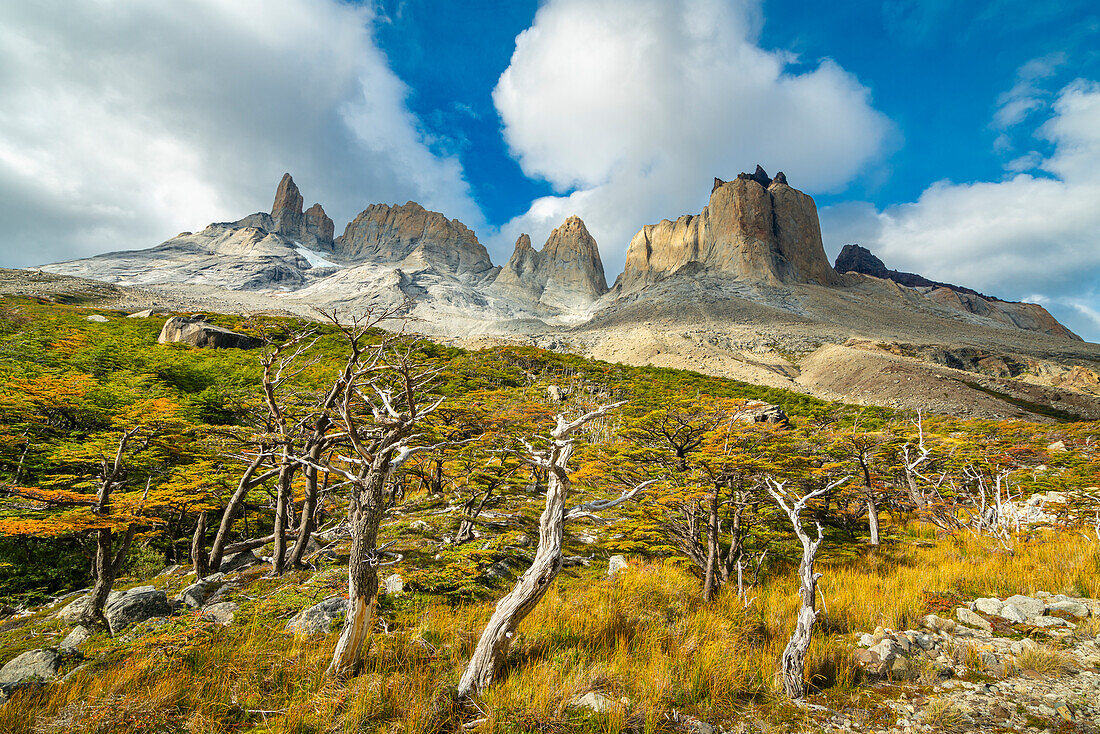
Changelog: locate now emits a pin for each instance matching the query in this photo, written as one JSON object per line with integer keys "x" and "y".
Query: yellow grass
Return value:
{"x": 644, "y": 635}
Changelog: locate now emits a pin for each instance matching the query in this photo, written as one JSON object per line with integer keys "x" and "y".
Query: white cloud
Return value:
{"x": 123, "y": 122}
{"x": 1026, "y": 235}
{"x": 1026, "y": 96}
{"x": 634, "y": 105}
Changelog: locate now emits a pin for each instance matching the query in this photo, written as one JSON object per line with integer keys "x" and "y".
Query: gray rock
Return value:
{"x": 195, "y": 594}
{"x": 937, "y": 623}
{"x": 616, "y": 565}
{"x": 393, "y": 584}
{"x": 197, "y": 332}
{"x": 136, "y": 605}
{"x": 97, "y": 318}
{"x": 593, "y": 701}
{"x": 1012, "y": 613}
{"x": 557, "y": 394}
{"x": 41, "y": 664}
{"x": 1068, "y": 606}
{"x": 319, "y": 618}
{"x": 222, "y": 612}
{"x": 972, "y": 619}
{"x": 1029, "y": 606}
{"x": 988, "y": 605}
{"x": 75, "y": 639}
{"x": 499, "y": 570}
{"x": 1044, "y": 621}
{"x": 237, "y": 561}
{"x": 887, "y": 649}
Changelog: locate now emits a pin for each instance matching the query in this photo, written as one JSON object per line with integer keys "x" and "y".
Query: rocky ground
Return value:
{"x": 1022, "y": 664}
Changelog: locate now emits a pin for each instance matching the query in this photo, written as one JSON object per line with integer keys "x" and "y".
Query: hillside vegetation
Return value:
{"x": 916, "y": 513}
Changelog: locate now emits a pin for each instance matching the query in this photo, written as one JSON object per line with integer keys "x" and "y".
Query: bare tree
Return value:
{"x": 792, "y": 667}
{"x": 379, "y": 408}
{"x": 492, "y": 647}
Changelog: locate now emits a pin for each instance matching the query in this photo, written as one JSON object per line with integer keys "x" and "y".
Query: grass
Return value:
{"x": 643, "y": 635}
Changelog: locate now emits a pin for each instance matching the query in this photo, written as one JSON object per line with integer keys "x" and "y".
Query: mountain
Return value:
{"x": 743, "y": 289}
{"x": 567, "y": 274}
{"x": 1027, "y": 316}
{"x": 755, "y": 228}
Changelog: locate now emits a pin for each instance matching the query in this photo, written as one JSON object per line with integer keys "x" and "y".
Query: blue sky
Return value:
{"x": 960, "y": 140}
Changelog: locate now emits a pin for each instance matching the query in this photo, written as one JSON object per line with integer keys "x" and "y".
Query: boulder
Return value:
{"x": 194, "y": 330}
{"x": 1058, "y": 447}
{"x": 74, "y": 609}
{"x": 42, "y": 664}
{"x": 393, "y": 584}
{"x": 136, "y": 605}
{"x": 756, "y": 411}
{"x": 1064, "y": 607}
{"x": 973, "y": 619}
{"x": 616, "y": 565}
{"x": 147, "y": 313}
{"x": 195, "y": 594}
{"x": 1012, "y": 613}
{"x": 75, "y": 639}
{"x": 319, "y": 618}
{"x": 988, "y": 605}
{"x": 1044, "y": 621}
{"x": 595, "y": 702}
{"x": 237, "y": 561}
{"x": 1029, "y": 606}
{"x": 222, "y": 612}
{"x": 97, "y": 318}
{"x": 557, "y": 394}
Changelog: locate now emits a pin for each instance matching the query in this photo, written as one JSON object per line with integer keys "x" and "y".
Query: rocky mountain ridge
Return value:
{"x": 741, "y": 290}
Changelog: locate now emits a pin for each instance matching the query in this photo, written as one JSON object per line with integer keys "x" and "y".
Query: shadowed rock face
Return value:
{"x": 754, "y": 228}
{"x": 415, "y": 236}
{"x": 567, "y": 273}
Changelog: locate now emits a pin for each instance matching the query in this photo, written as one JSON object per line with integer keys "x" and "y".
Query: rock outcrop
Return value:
{"x": 414, "y": 237}
{"x": 566, "y": 273}
{"x": 312, "y": 228}
{"x": 194, "y": 330}
{"x": 1028, "y": 316}
{"x": 754, "y": 228}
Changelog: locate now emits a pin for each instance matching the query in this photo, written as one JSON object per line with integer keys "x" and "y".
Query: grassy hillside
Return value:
{"x": 645, "y": 636}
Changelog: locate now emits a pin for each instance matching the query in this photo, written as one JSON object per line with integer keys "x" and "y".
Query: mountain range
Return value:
{"x": 742, "y": 289}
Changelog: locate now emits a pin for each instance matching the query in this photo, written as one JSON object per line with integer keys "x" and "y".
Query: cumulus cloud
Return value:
{"x": 1027, "y": 236}
{"x": 123, "y": 122}
{"x": 630, "y": 107}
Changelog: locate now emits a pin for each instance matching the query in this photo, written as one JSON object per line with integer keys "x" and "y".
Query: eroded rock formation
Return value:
{"x": 415, "y": 236}
{"x": 754, "y": 228}
{"x": 566, "y": 274}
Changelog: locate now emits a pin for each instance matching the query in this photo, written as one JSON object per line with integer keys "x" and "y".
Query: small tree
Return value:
{"x": 493, "y": 645}
{"x": 792, "y": 667}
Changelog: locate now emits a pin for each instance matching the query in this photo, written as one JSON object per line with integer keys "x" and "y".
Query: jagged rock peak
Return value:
{"x": 566, "y": 273}
{"x": 754, "y": 228}
{"x": 760, "y": 176}
{"x": 312, "y": 228}
{"x": 318, "y": 222}
{"x": 571, "y": 262}
{"x": 385, "y": 233}
{"x": 288, "y": 202}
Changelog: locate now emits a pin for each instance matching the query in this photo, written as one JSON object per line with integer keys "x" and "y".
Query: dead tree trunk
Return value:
{"x": 200, "y": 561}
{"x": 792, "y": 666}
{"x": 365, "y": 517}
{"x": 492, "y": 647}
{"x": 248, "y": 481}
{"x": 710, "y": 582}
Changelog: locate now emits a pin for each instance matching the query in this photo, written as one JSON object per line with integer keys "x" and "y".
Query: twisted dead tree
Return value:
{"x": 492, "y": 647}
{"x": 381, "y": 403}
{"x": 792, "y": 667}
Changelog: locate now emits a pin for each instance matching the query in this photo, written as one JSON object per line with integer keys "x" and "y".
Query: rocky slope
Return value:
{"x": 1028, "y": 316}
